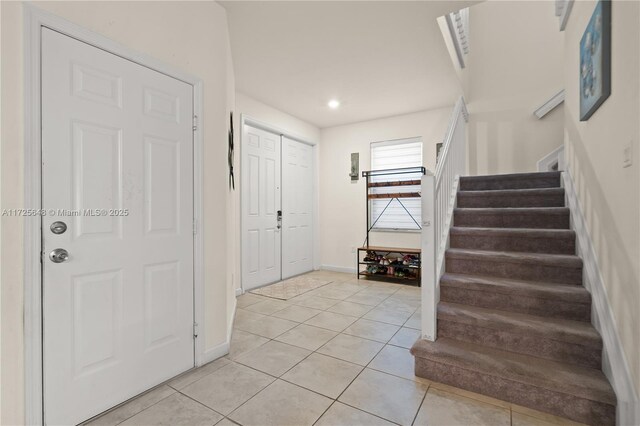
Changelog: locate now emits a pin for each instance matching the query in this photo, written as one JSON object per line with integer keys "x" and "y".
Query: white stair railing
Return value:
{"x": 438, "y": 201}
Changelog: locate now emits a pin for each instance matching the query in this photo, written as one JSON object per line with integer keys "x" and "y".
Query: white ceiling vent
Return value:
{"x": 458, "y": 23}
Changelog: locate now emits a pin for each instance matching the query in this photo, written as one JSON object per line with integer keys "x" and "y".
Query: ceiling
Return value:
{"x": 378, "y": 58}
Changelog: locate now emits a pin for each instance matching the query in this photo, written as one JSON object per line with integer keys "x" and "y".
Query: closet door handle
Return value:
{"x": 279, "y": 219}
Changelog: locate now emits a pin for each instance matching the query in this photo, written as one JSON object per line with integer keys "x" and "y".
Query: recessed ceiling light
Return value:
{"x": 334, "y": 103}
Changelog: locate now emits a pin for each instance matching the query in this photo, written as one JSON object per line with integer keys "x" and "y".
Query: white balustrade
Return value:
{"x": 438, "y": 201}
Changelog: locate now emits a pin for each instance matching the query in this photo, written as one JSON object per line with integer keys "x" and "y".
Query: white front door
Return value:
{"x": 261, "y": 236}
{"x": 297, "y": 207}
{"x": 117, "y": 165}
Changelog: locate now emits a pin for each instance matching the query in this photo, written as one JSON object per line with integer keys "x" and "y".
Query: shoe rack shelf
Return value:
{"x": 389, "y": 263}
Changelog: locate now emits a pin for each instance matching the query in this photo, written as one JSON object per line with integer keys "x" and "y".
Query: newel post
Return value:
{"x": 428, "y": 241}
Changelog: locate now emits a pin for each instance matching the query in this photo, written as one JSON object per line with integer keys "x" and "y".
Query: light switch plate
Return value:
{"x": 627, "y": 155}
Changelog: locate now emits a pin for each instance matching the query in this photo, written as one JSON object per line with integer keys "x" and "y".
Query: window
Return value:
{"x": 393, "y": 213}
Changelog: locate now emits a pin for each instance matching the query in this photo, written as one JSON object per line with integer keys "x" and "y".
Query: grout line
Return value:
{"x": 415, "y": 417}
{"x": 200, "y": 403}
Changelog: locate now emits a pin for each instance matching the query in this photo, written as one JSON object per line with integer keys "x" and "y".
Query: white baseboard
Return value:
{"x": 215, "y": 352}
{"x": 222, "y": 349}
{"x": 614, "y": 362}
{"x": 338, "y": 269}
{"x": 239, "y": 292}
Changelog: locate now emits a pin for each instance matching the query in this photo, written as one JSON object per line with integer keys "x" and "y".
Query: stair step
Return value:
{"x": 510, "y": 181}
{"x": 538, "y": 197}
{"x": 556, "y": 241}
{"x": 536, "y": 298}
{"x": 532, "y": 217}
{"x": 578, "y": 393}
{"x": 555, "y": 268}
{"x": 550, "y": 338}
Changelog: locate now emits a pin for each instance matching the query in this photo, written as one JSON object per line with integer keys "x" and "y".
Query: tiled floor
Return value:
{"x": 336, "y": 356}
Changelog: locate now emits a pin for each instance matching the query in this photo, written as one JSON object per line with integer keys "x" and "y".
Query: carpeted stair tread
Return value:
{"x": 568, "y": 301}
{"x": 560, "y": 260}
{"x": 540, "y": 290}
{"x": 577, "y": 332}
{"x": 513, "y": 217}
{"x": 511, "y": 181}
{"x": 528, "y": 197}
{"x": 557, "y": 241}
{"x": 583, "y": 382}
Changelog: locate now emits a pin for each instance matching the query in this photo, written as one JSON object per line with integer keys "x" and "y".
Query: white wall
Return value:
{"x": 610, "y": 194}
{"x": 514, "y": 65}
{"x": 342, "y": 203}
{"x": 191, "y": 36}
{"x": 273, "y": 117}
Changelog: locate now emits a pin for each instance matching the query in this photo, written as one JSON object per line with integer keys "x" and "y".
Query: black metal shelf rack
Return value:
{"x": 410, "y": 271}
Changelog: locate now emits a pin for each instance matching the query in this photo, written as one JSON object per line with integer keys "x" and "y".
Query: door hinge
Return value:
{"x": 195, "y": 123}
{"x": 195, "y": 227}
{"x": 195, "y": 330}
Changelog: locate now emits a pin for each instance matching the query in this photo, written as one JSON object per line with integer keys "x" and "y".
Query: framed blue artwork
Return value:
{"x": 595, "y": 60}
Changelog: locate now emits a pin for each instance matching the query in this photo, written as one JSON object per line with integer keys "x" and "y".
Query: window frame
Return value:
{"x": 394, "y": 142}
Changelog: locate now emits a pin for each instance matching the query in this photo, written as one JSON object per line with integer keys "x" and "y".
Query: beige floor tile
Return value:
{"x": 282, "y": 404}
{"x": 133, "y": 407}
{"x": 226, "y": 422}
{"x": 350, "y": 308}
{"x": 414, "y": 292}
{"x": 345, "y": 286}
{"x": 405, "y": 337}
{"x": 307, "y": 337}
{"x": 342, "y": 415}
{"x": 442, "y": 408}
{"x": 243, "y": 316}
{"x": 228, "y": 388}
{"x": 335, "y": 293}
{"x": 268, "y": 307}
{"x": 198, "y": 373}
{"x": 382, "y": 289}
{"x": 386, "y": 396}
{"x": 323, "y": 374}
{"x": 331, "y": 321}
{"x": 372, "y": 330}
{"x": 366, "y": 298}
{"x": 297, "y": 313}
{"x": 248, "y": 299}
{"x": 242, "y": 342}
{"x": 317, "y": 302}
{"x": 267, "y": 327}
{"x": 273, "y": 358}
{"x": 351, "y": 348}
{"x": 526, "y": 416}
{"x": 415, "y": 321}
{"x": 400, "y": 304}
{"x": 471, "y": 395}
{"x": 397, "y": 361}
{"x": 390, "y": 316}
{"x": 176, "y": 410}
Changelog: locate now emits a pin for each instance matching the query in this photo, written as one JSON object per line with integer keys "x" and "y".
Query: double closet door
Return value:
{"x": 277, "y": 207}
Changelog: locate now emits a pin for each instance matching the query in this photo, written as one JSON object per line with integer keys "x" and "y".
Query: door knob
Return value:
{"x": 279, "y": 218}
{"x": 59, "y": 255}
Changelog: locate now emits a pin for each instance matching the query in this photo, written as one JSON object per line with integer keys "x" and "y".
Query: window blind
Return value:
{"x": 396, "y": 154}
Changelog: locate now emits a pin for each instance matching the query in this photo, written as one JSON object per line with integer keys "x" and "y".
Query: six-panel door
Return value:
{"x": 117, "y": 145}
{"x": 261, "y": 232}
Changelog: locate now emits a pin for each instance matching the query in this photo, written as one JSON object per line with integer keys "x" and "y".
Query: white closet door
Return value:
{"x": 117, "y": 149}
{"x": 261, "y": 236}
{"x": 297, "y": 206}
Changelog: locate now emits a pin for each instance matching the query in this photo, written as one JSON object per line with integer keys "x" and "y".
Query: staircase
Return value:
{"x": 514, "y": 318}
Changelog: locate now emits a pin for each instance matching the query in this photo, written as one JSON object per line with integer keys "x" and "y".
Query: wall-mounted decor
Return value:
{"x": 355, "y": 166}
{"x": 595, "y": 61}
{"x": 232, "y": 179}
